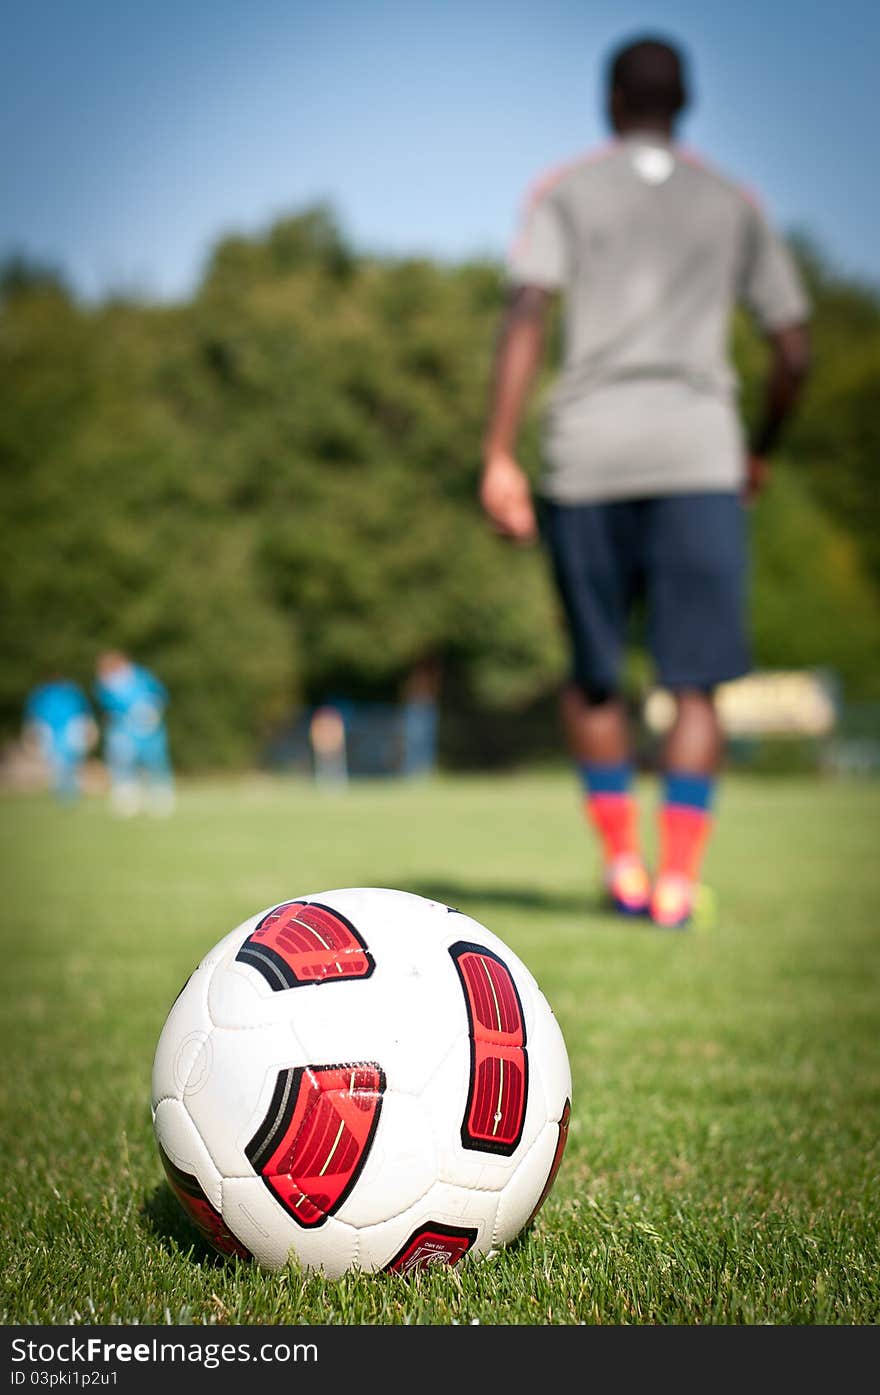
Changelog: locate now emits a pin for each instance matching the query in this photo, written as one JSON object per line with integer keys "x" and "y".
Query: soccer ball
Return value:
{"x": 361, "y": 1079}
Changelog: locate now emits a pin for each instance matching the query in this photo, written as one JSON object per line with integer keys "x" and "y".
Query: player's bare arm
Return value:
{"x": 789, "y": 369}
{"x": 505, "y": 492}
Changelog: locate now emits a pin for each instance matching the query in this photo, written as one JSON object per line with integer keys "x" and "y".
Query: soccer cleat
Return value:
{"x": 672, "y": 901}
{"x": 627, "y": 885}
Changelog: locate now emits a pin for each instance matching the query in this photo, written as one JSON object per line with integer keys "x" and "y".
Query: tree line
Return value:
{"x": 268, "y": 493}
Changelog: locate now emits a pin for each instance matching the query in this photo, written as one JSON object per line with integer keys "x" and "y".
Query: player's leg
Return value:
{"x": 697, "y": 573}
{"x": 598, "y": 737}
{"x": 64, "y": 771}
{"x": 121, "y": 756}
{"x": 72, "y": 744}
{"x": 691, "y": 763}
{"x": 590, "y": 550}
{"x": 155, "y": 762}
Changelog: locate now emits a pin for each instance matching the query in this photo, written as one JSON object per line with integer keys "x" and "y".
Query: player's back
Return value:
{"x": 132, "y": 694}
{"x": 651, "y": 250}
{"x": 657, "y": 243}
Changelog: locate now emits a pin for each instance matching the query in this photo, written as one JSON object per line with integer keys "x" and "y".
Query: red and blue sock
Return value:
{"x": 612, "y": 810}
{"x": 685, "y": 822}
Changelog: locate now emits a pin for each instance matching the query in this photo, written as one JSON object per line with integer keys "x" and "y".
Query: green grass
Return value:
{"x": 724, "y": 1154}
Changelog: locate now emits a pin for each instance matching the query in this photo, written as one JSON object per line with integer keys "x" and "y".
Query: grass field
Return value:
{"x": 723, "y": 1161}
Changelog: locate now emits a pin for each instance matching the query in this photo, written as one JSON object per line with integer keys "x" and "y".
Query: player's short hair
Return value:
{"x": 649, "y": 73}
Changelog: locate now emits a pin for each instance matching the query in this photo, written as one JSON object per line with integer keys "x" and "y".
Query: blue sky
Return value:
{"x": 134, "y": 134}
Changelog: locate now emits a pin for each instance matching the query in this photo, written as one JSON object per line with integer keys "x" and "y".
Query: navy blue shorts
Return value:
{"x": 679, "y": 562}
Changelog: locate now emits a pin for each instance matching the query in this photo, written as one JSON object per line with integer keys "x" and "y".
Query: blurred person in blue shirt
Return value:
{"x": 58, "y": 720}
{"x": 134, "y": 703}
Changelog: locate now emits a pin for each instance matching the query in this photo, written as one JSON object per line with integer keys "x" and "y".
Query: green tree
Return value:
{"x": 268, "y": 493}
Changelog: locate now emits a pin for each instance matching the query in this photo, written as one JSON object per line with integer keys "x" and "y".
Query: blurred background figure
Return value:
{"x": 645, "y": 470}
{"x": 421, "y": 694}
{"x": 134, "y": 703}
{"x": 327, "y": 737}
{"x": 58, "y": 722}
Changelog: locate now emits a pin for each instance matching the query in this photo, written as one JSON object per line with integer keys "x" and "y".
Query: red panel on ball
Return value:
{"x": 432, "y": 1244}
{"x": 498, "y": 1092}
{"x": 304, "y": 942}
{"x": 316, "y": 1136}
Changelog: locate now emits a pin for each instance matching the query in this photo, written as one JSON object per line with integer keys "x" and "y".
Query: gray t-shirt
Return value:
{"x": 651, "y": 251}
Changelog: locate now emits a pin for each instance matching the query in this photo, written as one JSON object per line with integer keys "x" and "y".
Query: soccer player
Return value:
{"x": 58, "y": 718}
{"x": 645, "y": 467}
{"x": 135, "y": 737}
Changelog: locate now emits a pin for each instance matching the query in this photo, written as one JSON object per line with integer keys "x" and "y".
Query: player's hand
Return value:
{"x": 757, "y": 476}
{"x": 506, "y": 497}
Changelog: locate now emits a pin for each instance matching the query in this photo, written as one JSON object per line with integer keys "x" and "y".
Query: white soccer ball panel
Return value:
{"x": 464, "y": 1206}
{"x": 182, "y": 1038}
{"x": 235, "y": 1090}
{"x": 239, "y": 999}
{"x": 520, "y": 1197}
{"x": 445, "y": 1099}
{"x": 447, "y": 1224}
{"x": 374, "y": 909}
{"x": 230, "y": 941}
{"x": 400, "y": 1168}
{"x": 403, "y": 1017}
{"x": 550, "y": 1051}
{"x": 273, "y": 1238}
{"x": 181, "y": 1142}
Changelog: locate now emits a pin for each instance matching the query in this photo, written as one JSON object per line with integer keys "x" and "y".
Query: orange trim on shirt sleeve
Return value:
{"x": 546, "y": 182}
